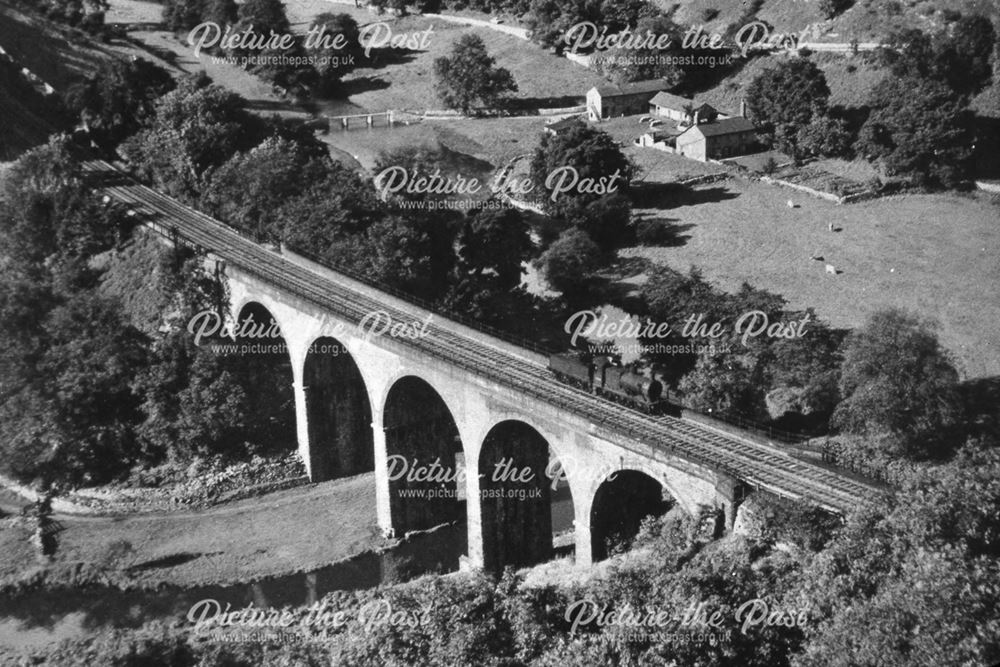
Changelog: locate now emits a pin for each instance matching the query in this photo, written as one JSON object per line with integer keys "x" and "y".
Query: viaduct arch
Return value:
{"x": 363, "y": 402}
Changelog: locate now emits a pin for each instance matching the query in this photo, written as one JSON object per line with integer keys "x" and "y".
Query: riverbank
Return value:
{"x": 168, "y": 488}
{"x": 293, "y": 530}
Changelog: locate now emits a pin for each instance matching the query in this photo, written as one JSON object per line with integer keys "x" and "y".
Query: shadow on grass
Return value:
{"x": 609, "y": 286}
{"x": 529, "y": 103}
{"x": 276, "y": 106}
{"x": 662, "y": 233}
{"x": 173, "y": 560}
{"x": 362, "y": 84}
{"x": 381, "y": 58}
{"x": 671, "y": 195}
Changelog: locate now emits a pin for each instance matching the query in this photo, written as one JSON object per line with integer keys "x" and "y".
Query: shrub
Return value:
{"x": 569, "y": 262}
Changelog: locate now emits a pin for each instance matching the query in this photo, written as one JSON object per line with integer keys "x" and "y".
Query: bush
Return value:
{"x": 570, "y": 261}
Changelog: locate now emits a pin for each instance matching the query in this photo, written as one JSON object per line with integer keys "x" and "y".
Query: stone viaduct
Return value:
{"x": 361, "y": 398}
{"x": 484, "y": 428}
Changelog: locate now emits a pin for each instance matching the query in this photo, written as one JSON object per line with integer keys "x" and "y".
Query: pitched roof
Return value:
{"x": 662, "y": 135}
{"x": 724, "y": 126}
{"x": 670, "y": 101}
{"x": 636, "y": 87}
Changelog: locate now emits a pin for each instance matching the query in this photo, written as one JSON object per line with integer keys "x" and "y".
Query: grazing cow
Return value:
{"x": 830, "y": 268}
{"x": 830, "y": 226}
{"x": 791, "y": 204}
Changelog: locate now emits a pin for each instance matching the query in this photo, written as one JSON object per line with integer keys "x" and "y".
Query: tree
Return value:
{"x": 470, "y": 75}
{"x": 963, "y": 58}
{"x": 826, "y": 136}
{"x": 414, "y": 253}
{"x": 605, "y": 220}
{"x": 51, "y": 224}
{"x": 264, "y": 16}
{"x": 195, "y": 127}
{"x": 919, "y": 129}
{"x": 327, "y": 28}
{"x": 86, "y": 14}
{"x": 959, "y": 58}
{"x": 589, "y": 155}
{"x": 492, "y": 245}
{"x": 285, "y": 67}
{"x": 84, "y": 386}
{"x": 783, "y": 99}
{"x": 548, "y": 21}
{"x": 913, "y": 579}
{"x": 570, "y": 261}
{"x": 897, "y": 379}
{"x": 115, "y": 101}
{"x": 220, "y": 12}
{"x": 327, "y": 208}
{"x": 623, "y": 64}
{"x": 248, "y": 189}
{"x": 183, "y": 14}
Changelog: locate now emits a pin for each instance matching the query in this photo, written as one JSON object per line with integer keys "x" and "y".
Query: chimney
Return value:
{"x": 743, "y": 108}
{"x": 697, "y": 113}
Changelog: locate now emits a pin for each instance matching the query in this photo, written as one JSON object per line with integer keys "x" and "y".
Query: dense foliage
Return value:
{"x": 594, "y": 156}
{"x": 920, "y": 129}
{"x": 85, "y": 14}
{"x": 762, "y": 377}
{"x": 785, "y": 98}
{"x": 115, "y": 101}
{"x": 89, "y": 392}
{"x": 896, "y": 379}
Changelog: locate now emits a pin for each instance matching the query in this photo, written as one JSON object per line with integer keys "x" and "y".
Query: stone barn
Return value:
{"x": 631, "y": 98}
{"x": 673, "y": 107}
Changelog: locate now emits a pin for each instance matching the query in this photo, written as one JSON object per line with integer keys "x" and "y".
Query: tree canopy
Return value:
{"x": 785, "y": 98}
{"x": 919, "y": 129}
{"x": 115, "y": 101}
{"x": 470, "y": 76}
{"x": 897, "y": 379}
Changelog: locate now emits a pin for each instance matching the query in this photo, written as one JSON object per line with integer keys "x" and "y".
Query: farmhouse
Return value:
{"x": 727, "y": 137}
{"x": 675, "y": 108}
{"x": 630, "y": 98}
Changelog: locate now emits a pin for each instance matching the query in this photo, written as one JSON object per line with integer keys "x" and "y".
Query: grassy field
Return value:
{"x": 494, "y": 140}
{"x": 405, "y": 79}
{"x": 241, "y": 541}
{"x": 934, "y": 254}
{"x": 133, "y": 11}
{"x": 407, "y": 82}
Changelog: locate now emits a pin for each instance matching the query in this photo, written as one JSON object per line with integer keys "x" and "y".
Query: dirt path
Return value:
{"x": 286, "y": 531}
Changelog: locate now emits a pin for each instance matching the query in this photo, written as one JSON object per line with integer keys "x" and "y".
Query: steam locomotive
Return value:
{"x": 602, "y": 376}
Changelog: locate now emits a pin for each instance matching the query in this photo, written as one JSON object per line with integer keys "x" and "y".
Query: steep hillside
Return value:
{"x": 866, "y": 20}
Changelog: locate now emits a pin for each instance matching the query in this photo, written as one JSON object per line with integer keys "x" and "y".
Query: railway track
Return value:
{"x": 752, "y": 463}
